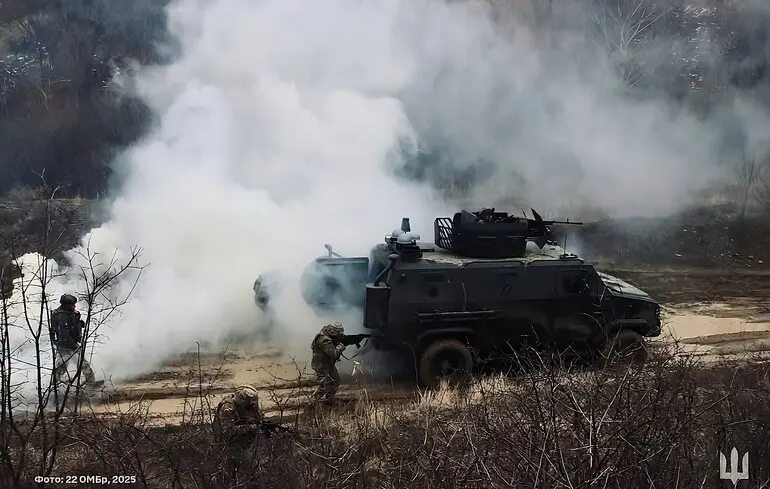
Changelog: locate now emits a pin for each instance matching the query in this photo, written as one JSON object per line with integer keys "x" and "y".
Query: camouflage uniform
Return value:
{"x": 67, "y": 329}
{"x": 326, "y": 353}
{"x": 236, "y": 425}
{"x": 236, "y": 421}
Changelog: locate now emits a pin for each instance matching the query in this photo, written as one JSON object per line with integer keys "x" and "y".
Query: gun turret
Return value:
{"x": 491, "y": 234}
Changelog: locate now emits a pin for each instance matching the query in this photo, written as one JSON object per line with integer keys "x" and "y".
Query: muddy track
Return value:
{"x": 712, "y": 312}
{"x": 685, "y": 285}
{"x": 140, "y": 394}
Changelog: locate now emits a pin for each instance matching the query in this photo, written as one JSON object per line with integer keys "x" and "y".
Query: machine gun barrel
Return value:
{"x": 539, "y": 221}
{"x": 356, "y": 339}
{"x": 269, "y": 427}
{"x": 551, "y": 223}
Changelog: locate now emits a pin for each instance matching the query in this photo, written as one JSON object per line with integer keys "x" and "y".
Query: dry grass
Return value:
{"x": 657, "y": 426}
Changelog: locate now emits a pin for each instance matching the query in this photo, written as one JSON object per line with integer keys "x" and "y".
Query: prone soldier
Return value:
{"x": 237, "y": 418}
{"x": 238, "y": 421}
{"x": 236, "y": 425}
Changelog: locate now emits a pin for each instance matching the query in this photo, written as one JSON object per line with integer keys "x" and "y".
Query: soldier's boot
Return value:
{"x": 331, "y": 394}
{"x": 321, "y": 394}
{"x": 88, "y": 372}
{"x": 327, "y": 392}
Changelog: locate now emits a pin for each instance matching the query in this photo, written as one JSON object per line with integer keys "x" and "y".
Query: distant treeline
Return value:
{"x": 60, "y": 112}
{"x": 692, "y": 57}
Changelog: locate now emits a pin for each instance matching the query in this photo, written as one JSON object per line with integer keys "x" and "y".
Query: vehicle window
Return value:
{"x": 576, "y": 284}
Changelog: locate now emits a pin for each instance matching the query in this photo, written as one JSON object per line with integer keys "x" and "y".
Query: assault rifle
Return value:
{"x": 269, "y": 427}
{"x": 356, "y": 339}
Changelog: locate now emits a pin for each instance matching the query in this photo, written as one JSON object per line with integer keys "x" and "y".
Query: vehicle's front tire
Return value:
{"x": 448, "y": 360}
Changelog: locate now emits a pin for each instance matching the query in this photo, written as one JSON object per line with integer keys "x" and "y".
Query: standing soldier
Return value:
{"x": 67, "y": 330}
{"x": 327, "y": 350}
{"x": 236, "y": 424}
{"x": 266, "y": 288}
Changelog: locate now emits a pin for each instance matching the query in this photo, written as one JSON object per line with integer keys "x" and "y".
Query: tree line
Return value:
{"x": 59, "y": 110}
{"x": 694, "y": 58}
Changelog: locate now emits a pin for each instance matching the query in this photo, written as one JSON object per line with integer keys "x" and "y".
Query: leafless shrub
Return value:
{"x": 748, "y": 174}
{"x": 761, "y": 187}
{"x": 33, "y": 409}
{"x": 624, "y": 25}
{"x": 660, "y": 425}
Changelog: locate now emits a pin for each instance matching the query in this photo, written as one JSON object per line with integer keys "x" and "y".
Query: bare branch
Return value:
{"x": 624, "y": 25}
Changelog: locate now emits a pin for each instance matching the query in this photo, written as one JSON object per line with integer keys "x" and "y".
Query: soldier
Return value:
{"x": 266, "y": 288}
{"x": 236, "y": 424}
{"x": 67, "y": 330}
{"x": 327, "y": 350}
{"x": 237, "y": 419}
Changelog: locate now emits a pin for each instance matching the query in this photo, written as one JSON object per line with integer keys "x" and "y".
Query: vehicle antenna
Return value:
{"x": 566, "y": 234}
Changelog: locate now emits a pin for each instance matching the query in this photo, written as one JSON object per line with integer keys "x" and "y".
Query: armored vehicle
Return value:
{"x": 489, "y": 286}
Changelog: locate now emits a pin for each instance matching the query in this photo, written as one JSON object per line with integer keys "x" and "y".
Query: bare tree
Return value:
{"x": 761, "y": 188}
{"x": 102, "y": 297}
{"x": 623, "y": 26}
{"x": 31, "y": 426}
{"x": 747, "y": 175}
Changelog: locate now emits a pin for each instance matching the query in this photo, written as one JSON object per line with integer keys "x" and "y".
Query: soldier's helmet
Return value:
{"x": 246, "y": 395}
{"x": 68, "y": 300}
{"x": 335, "y": 329}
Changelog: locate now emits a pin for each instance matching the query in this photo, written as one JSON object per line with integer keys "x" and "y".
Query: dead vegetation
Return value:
{"x": 33, "y": 423}
{"x": 657, "y": 426}
{"x": 552, "y": 427}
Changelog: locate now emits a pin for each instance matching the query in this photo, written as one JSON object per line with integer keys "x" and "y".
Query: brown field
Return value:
{"x": 713, "y": 314}
{"x": 705, "y": 390}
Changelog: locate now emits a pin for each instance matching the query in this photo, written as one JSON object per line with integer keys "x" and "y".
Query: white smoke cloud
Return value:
{"x": 276, "y": 131}
{"x": 278, "y": 127}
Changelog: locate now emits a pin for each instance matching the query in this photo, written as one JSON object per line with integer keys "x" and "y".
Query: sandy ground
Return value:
{"x": 710, "y": 313}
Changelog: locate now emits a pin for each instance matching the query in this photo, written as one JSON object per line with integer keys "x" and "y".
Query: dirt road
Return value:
{"x": 712, "y": 313}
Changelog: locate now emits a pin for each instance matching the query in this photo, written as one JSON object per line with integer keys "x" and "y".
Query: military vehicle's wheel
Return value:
{"x": 627, "y": 346}
{"x": 446, "y": 360}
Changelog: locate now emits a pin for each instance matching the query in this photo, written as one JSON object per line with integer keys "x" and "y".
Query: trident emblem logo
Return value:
{"x": 735, "y": 473}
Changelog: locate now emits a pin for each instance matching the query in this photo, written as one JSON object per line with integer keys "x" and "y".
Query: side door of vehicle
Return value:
{"x": 576, "y": 316}
{"x": 525, "y": 320}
